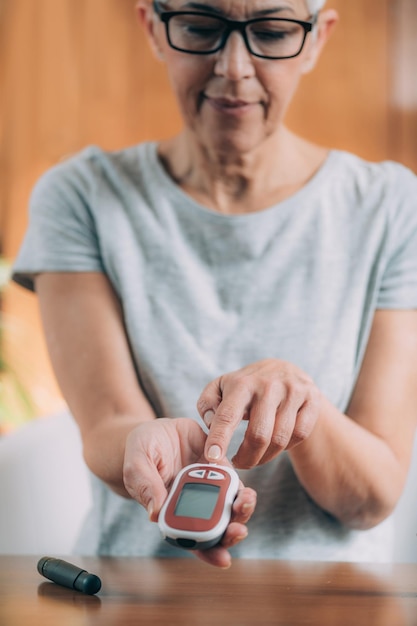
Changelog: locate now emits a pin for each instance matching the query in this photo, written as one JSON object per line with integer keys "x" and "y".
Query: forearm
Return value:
{"x": 348, "y": 471}
{"x": 104, "y": 449}
{"x": 92, "y": 361}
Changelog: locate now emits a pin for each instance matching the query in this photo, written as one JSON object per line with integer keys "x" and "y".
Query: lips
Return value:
{"x": 230, "y": 105}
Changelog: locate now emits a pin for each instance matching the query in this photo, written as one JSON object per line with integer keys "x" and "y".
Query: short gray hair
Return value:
{"x": 315, "y": 5}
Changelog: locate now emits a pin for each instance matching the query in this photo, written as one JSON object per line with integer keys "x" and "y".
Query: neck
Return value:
{"x": 240, "y": 183}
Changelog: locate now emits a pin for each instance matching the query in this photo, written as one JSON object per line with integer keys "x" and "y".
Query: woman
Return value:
{"x": 238, "y": 268}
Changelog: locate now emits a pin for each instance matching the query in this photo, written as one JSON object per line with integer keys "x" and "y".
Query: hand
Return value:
{"x": 278, "y": 399}
{"x": 155, "y": 452}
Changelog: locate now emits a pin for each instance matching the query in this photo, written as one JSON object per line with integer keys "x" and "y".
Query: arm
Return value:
{"x": 137, "y": 455}
{"x": 354, "y": 466}
{"x": 90, "y": 355}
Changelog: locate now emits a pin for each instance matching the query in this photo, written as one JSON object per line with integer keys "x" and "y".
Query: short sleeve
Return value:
{"x": 398, "y": 287}
{"x": 61, "y": 235}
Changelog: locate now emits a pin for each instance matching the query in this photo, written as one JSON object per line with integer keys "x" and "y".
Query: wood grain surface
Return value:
{"x": 189, "y": 593}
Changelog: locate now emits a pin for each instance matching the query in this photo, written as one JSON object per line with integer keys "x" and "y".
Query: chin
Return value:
{"x": 230, "y": 135}
{"x": 231, "y": 138}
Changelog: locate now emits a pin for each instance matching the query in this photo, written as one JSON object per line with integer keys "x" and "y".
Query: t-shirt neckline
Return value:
{"x": 178, "y": 195}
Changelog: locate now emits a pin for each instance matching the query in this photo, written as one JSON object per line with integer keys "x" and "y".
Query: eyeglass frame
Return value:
{"x": 233, "y": 25}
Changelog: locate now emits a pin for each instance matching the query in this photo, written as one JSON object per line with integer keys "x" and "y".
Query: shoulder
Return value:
{"x": 83, "y": 171}
{"x": 351, "y": 170}
{"x": 385, "y": 190}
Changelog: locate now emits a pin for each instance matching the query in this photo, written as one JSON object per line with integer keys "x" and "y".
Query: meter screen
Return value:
{"x": 197, "y": 500}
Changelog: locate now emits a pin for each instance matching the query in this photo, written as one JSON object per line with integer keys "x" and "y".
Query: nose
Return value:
{"x": 234, "y": 61}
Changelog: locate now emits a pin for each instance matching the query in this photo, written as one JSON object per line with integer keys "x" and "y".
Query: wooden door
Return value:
{"x": 76, "y": 72}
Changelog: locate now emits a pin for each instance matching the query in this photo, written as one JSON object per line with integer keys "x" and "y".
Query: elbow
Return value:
{"x": 364, "y": 520}
{"x": 373, "y": 503}
{"x": 367, "y": 514}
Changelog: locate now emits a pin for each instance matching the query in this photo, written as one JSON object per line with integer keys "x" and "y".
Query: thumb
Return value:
{"x": 146, "y": 486}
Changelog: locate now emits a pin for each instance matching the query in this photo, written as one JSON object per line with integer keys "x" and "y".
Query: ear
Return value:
{"x": 149, "y": 20}
{"x": 327, "y": 20}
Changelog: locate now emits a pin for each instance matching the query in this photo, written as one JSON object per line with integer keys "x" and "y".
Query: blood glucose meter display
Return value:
{"x": 197, "y": 500}
{"x": 199, "y": 506}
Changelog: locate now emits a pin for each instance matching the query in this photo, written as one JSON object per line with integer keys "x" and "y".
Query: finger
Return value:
{"x": 304, "y": 425}
{"x": 259, "y": 432}
{"x": 209, "y": 400}
{"x": 228, "y": 415}
{"x": 191, "y": 440}
{"x": 235, "y": 533}
{"x": 145, "y": 485}
{"x": 219, "y": 555}
{"x": 244, "y": 505}
{"x": 282, "y": 428}
{"x": 290, "y": 430}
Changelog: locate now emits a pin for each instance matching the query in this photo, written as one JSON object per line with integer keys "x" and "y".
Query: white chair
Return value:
{"x": 45, "y": 492}
{"x": 44, "y": 487}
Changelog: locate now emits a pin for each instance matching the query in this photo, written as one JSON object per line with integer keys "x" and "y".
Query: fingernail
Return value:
{"x": 208, "y": 417}
{"x": 214, "y": 453}
{"x": 150, "y": 510}
{"x": 248, "y": 506}
{"x": 238, "y": 539}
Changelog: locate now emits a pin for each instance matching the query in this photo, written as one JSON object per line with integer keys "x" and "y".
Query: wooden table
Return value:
{"x": 190, "y": 593}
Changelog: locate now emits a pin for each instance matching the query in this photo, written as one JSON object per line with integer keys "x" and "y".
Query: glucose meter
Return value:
{"x": 199, "y": 506}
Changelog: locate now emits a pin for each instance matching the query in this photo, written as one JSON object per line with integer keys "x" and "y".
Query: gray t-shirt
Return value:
{"x": 205, "y": 293}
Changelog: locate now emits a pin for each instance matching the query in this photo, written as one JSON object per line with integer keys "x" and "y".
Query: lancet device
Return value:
{"x": 69, "y": 575}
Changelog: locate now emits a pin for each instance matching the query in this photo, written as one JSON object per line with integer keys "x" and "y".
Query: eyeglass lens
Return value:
{"x": 269, "y": 37}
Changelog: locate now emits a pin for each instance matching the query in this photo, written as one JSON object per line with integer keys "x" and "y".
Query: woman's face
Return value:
{"x": 231, "y": 100}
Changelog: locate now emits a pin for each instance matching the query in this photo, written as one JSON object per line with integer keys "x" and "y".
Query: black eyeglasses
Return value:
{"x": 203, "y": 33}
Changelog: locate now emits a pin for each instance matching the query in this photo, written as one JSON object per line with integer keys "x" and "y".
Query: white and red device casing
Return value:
{"x": 196, "y": 533}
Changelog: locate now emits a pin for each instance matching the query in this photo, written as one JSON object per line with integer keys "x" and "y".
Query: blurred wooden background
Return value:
{"x": 77, "y": 72}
